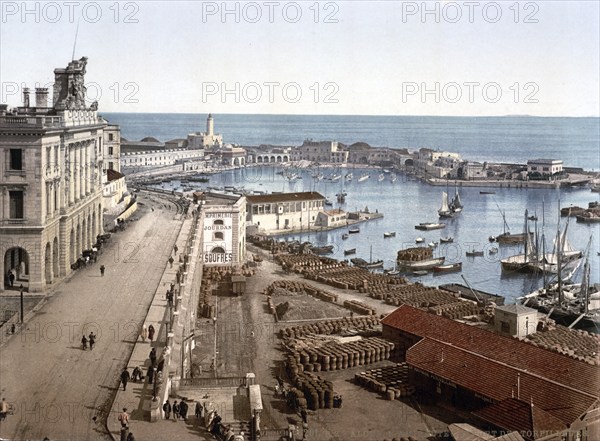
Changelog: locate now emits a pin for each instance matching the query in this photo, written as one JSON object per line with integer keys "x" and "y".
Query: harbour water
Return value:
{"x": 408, "y": 202}
{"x": 503, "y": 139}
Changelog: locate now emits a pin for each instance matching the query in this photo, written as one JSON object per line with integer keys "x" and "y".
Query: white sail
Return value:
{"x": 444, "y": 208}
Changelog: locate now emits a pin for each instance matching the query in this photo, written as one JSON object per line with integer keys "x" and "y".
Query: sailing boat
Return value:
{"x": 445, "y": 210}
{"x": 456, "y": 205}
{"x": 520, "y": 262}
{"x": 361, "y": 263}
{"x": 506, "y": 237}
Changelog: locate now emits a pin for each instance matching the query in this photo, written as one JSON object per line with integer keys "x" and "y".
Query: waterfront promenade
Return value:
{"x": 57, "y": 388}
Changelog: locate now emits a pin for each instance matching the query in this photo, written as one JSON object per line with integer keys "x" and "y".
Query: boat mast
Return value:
{"x": 544, "y": 262}
{"x": 526, "y": 232}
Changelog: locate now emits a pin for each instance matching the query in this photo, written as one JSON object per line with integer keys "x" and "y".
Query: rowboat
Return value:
{"x": 474, "y": 253}
{"x": 350, "y": 251}
{"x": 420, "y": 273}
{"x": 419, "y": 240}
{"x": 345, "y": 236}
{"x": 451, "y": 267}
{"x": 426, "y": 226}
{"x": 389, "y": 234}
{"x": 354, "y": 230}
{"x": 421, "y": 264}
{"x": 446, "y": 239}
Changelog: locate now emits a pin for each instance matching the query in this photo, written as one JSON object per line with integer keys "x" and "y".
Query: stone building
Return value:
{"x": 223, "y": 220}
{"x": 202, "y": 140}
{"x": 111, "y": 150}
{"x": 515, "y": 320}
{"x": 284, "y": 211}
{"x": 136, "y": 161}
{"x": 51, "y": 199}
{"x": 331, "y": 218}
{"x": 321, "y": 151}
{"x": 545, "y": 167}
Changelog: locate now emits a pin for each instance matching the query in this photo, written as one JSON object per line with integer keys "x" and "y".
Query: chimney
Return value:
{"x": 26, "y": 97}
{"x": 41, "y": 97}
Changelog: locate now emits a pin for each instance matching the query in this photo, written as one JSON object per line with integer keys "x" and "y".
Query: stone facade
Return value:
{"x": 112, "y": 148}
{"x": 202, "y": 140}
{"x": 133, "y": 162}
{"x": 51, "y": 198}
{"x": 286, "y": 211}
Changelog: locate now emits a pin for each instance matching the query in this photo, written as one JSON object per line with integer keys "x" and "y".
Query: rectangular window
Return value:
{"x": 16, "y": 204}
{"x": 16, "y": 159}
{"x": 110, "y": 150}
{"x": 110, "y": 137}
{"x": 110, "y": 166}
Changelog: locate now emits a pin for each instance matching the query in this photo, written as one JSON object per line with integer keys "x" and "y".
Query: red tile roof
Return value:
{"x": 285, "y": 197}
{"x": 529, "y": 420}
{"x": 510, "y": 351}
{"x": 496, "y": 380}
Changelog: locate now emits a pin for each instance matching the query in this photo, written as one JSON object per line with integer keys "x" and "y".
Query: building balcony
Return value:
{"x": 30, "y": 122}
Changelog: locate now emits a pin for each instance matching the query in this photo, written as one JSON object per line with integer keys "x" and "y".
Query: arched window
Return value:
{"x": 218, "y": 222}
{"x": 218, "y": 250}
{"x": 218, "y": 235}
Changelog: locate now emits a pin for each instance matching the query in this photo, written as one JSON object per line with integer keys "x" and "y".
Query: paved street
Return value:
{"x": 55, "y": 386}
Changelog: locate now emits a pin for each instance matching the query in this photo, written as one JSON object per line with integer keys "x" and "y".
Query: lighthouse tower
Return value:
{"x": 210, "y": 125}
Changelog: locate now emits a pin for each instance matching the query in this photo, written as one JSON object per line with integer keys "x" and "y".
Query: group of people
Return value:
{"x": 179, "y": 410}
{"x": 147, "y": 333}
{"x": 91, "y": 339}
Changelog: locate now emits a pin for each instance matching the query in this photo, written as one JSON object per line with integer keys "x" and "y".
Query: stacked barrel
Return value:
{"x": 578, "y": 344}
{"x": 359, "y": 307}
{"x": 336, "y": 356}
{"x": 284, "y": 287}
{"x": 418, "y": 296}
{"x": 300, "y": 262}
{"x": 456, "y": 310}
{"x": 415, "y": 254}
{"x": 389, "y": 381}
{"x": 345, "y": 277}
{"x": 327, "y": 327}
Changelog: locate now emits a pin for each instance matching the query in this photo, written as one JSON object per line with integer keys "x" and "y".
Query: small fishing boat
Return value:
{"x": 363, "y": 177}
{"x": 381, "y": 177}
{"x": 451, "y": 267}
{"x": 493, "y": 250}
{"x": 487, "y": 192}
{"x": 492, "y": 238}
{"x": 389, "y": 234}
{"x": 354, "y": 230}
{"x": 350, "y": 251}
{"x": 420, "y": 273}
{"x": 349, "y": 176}
{"x": 327, "y": 249}
{"x": 474, "y": 253}
{"x": 345, "y": 236}
{"x": 448, "y": 239}
{"x": 362, "y": 263}
{"x": 419, "y": 240}
{"x": 426, "y": 226}
{"x": 432, "y": 244}
{"x": 392, "y": 272}
{"x": 421, "y": 264}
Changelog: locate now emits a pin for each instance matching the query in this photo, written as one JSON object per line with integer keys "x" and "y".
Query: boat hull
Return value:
{"x": 421, "y": 264}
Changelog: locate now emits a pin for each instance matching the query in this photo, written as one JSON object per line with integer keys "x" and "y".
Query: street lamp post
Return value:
{"x": 22, "y": 315}
{"x": 154, "y": 383}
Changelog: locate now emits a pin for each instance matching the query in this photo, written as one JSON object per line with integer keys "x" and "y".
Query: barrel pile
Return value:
{"x": 327, "y": 327}
{"x": 299, "y": 262}
{"x": 313, "y": 355}
{"x": 359, "y": 307}
{"x": 346, "y": 277}
{"x": 415, "y": 254}
{"x": 310, "y": 390}
{"x": 417, "y": 295}
{"x": 289, "y": 287}
{"x": 578, "y": 344}
{"x": 456, "y": 310}
{"x": 389, "y": 381}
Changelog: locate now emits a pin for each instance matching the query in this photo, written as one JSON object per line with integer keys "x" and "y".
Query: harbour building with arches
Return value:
{"x": 51, "y": 186}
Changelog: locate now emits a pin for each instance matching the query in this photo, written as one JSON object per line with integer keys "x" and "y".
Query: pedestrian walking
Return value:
{"x": 151, "y": 333}
{"x": 137, "y": 374}
{"x": 150, "y": 374}
{"x": 124, "y": 418}
{"x": 153, "y": 356}
{"x": 92, "y": 339}
{"x": 183, "y": 410}
{"x": 167, "y": 409}
{"x": 102, "y": 268}
{"x": 304, "y": 415}
{"x": 144, "y": 333}
{"x": 176, "y": 410}
{"x": 11, "y": 278}
{"x": 175, "y": 249}
{"x": 171, "y": 260}
{"x": 125, "y": 378}
{"x": 4, "y": 408}
{"x": 84, "y": 342}
{"x": 199, "y": 410}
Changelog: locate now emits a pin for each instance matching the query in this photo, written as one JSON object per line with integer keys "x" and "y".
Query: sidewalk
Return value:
{"x": 137, "y": 398}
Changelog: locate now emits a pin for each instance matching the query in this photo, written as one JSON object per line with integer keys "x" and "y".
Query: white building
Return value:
{"x": 208, "y": 139}
{"x": 515, "y": 320}
{"x": 52, "y": 166}
{"x": 135, "y": 161}
{"x": 331, "y": 218}
{"x": 322, "y": 151}
{"x": 111, "y": 150}
{"x": 545, "y": 167}
{"x": 284, "y": 211}
{"x": 223, "y": 220}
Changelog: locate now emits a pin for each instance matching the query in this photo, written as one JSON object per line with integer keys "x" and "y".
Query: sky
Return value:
{"x": 343, "y": 57}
